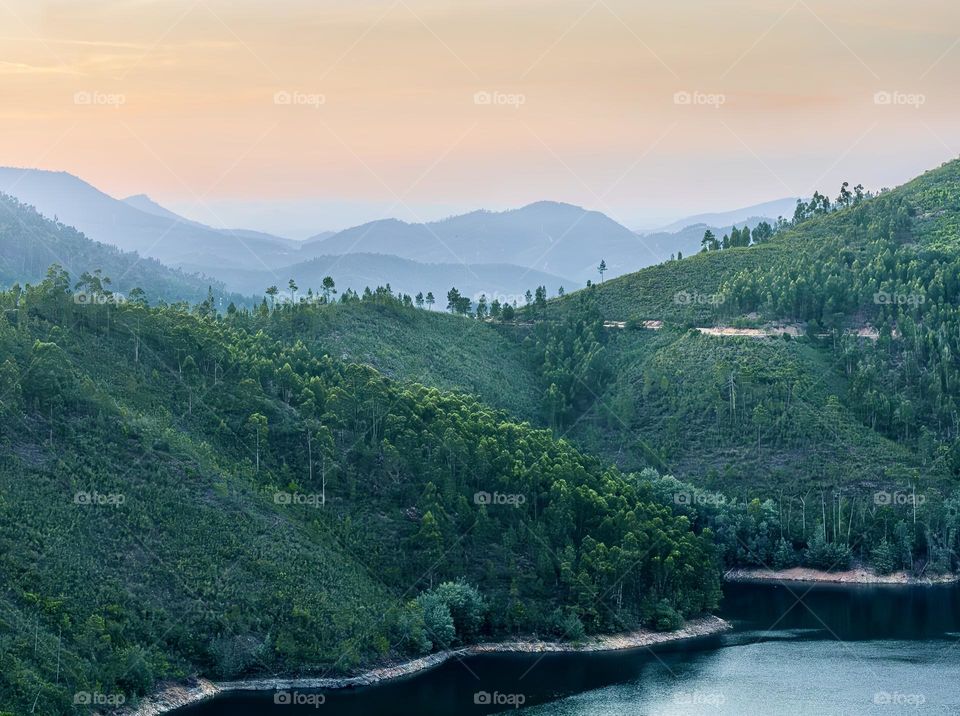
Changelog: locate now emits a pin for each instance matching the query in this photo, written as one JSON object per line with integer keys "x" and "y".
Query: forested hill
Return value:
{"x": 30, "y": 243}
{"x": 844, "y": 242}
{"x": 872, "y": 283}
{"x": 187, "y": 494}
{"x": 842, "y": 386}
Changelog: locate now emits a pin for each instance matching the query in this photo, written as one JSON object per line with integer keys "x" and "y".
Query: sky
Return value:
{"x": 297, "y": 116}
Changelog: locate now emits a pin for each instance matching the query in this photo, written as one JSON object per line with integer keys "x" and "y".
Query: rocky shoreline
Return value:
{"x": 857, "y": 575}
{"x": 174, "y": 696}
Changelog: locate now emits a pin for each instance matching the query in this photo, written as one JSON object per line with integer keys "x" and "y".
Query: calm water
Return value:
{"x": 796, "y": 650}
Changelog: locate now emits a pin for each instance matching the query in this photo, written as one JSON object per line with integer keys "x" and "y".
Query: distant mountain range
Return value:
{"x": 768, "y": 211}
{"x": 249, "y": 261}
{"x": 504, "y": 282}
{"x": 507, "y": 252}
{"x": 31, "y": 243}
{"x": 547, "y": 236}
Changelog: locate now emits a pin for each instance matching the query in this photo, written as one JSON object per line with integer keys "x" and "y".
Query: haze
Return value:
{"x": 303, "y": 116}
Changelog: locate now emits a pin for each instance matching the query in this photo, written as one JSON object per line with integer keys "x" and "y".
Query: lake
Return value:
{"x": 794, "y": 650}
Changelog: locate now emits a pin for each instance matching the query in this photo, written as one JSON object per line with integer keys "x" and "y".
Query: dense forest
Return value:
{"x": 184, "y": 493}
{"x": 336, "y": 478}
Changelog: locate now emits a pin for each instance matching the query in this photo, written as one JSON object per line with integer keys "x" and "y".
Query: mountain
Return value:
{"x": 144, "y": 203}
{"x": 252, "y": 505}
{"x": 319, "y": 236}
{"x": 504, "y": 282}
{"x": 552, "y": 237}
{"x": 153, "y": 232}
{"x": 249, "y": 261}
{"x": 768, "y": 211}
{"x": 31, "y": 243}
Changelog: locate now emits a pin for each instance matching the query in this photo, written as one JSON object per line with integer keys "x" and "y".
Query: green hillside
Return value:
{"x": 429, "y": 347}
{"x": 180, "y": 495}
{"x": 30, "y": 243}
{"x": 886, "y": 267}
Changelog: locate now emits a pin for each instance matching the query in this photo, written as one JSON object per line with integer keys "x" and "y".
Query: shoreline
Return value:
{"x": 854, "y": 576}
{"x": 174, "y": 696}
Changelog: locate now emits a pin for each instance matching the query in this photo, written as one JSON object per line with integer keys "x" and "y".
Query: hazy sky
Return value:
{"x": 296, "y": 116}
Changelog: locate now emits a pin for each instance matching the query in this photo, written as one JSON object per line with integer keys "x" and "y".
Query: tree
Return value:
{"x": 428, "y": 545}
{"x": 845, "y": 198}
{"x": 292, "y": 285}
{"x": 272, "y": 292}
{"x": 329, "y": 288}
{"x": 708, "y": 241}
{"x": 257, "y": 427}
{"x": 138, "y": 296}
{"x": 437, "y": 620}
{"x": 419, "y": 299}
{"x": 467, "y": 608}
{"x": 430, "y": 300}
{"x": 482, "y": 307}
{"x": 540, "y": 299}
{"x": 884, "y": 557}
{"x": 453, "y": 295}
{"x": 762, "y": 232}
{"x": 602, "y": 269}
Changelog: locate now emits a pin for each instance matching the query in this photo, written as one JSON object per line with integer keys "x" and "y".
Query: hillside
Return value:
{"x": 180, "y": 495}
{"x": 870, "y": 293}
{"x": 408, "y": 344}
{"x": 30, "y": 243}
{"x": 167, "y": 238}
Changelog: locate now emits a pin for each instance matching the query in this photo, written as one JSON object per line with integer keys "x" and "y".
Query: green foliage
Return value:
{"x": 437, "y": 621}
{"x": 884, "y": 558}
{"x": 785, "y": 556}
{"x": 185, "y": 494}
{"x": 829, "y": 556}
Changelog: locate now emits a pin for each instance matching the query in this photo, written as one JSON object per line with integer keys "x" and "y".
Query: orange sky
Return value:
{"x": 187, "y": 101}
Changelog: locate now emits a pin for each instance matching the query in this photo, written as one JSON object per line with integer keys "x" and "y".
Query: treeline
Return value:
{"x": 819, "y": 205}
{"x": 911, "y": 531}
